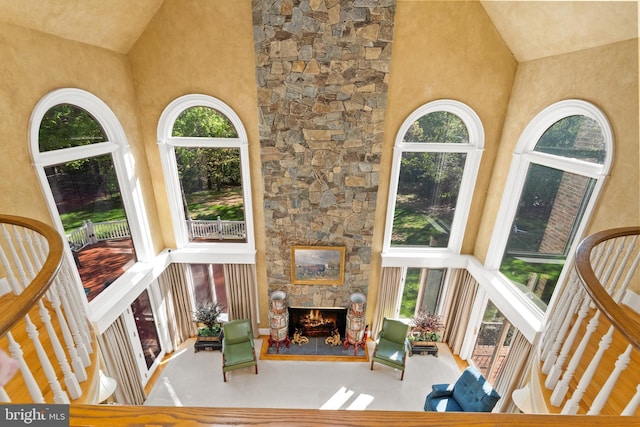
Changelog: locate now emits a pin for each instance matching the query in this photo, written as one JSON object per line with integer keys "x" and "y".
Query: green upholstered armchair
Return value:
{"x": 392, "y": 345}
{"x": 237, "y": 347}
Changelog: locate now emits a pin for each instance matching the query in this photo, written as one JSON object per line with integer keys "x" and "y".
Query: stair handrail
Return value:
{"x": 43, "y": 279}
{"x": 622, "y": 322}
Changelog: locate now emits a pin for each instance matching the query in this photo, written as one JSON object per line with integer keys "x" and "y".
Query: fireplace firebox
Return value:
{"x": 317, "y": 321}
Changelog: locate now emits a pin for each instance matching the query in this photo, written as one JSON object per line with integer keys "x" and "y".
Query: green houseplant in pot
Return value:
{"x": 206, "y": 316}
{"x": 425, "y": 331}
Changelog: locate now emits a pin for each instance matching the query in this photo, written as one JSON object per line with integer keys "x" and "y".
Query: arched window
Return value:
{"x": 559, "y": 166}
{"x": 205, "y": 158}
{"x": 82, "y": 158}
{"x": 435, "y": 164}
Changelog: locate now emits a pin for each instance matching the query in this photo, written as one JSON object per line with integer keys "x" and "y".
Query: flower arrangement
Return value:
{"x": 426, "y": 326}
{"x": 207, "y": 314}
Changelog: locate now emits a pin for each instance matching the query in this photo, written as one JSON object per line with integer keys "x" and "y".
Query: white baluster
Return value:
{"x": 70, "y": 380}
{"x": 28, "y": 243}
{"x": 73, "y": 305}
{"x": 598, "y": 260}
{"x": 23, "y": 281}
{"x": 605, "y": 391}
{"x": 571, "y": 407}
{"x": 13, "y": 280}
{"x": 29, "y": 380}
{"x": 630, "y": 273}
{"x": 59, "y": 395}
{"x": 566, "y": 323}
{"x": 556, "y": 370}
{"x": 632, "y": 406}
{"x": 561, "y": 389}
{"x": 4, "y": 397}
{"x": 560, "y": 312}
{"x": 73, "y": 325}
{"x": 610, "y": 264}
{"x": 78, "y": 365}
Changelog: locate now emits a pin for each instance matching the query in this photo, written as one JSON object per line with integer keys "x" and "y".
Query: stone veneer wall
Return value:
{"x": 322, "y": 69}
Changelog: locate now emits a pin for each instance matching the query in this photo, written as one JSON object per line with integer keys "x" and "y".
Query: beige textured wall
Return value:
{"x": 443, "y": 50}
{"x": 606, "y": 76}
{"x": 33, "y": 64}
{"x": 206, "y": 48}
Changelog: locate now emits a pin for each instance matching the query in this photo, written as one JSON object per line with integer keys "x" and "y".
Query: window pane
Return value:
{"x": 426, "y": 198}
{"x": 577, "y": 137}
{"x": 211, "y": 182}
{"x": 65, "y": 126}
{"x": 146, "y": 326}
{"x": 203, "y": 122}
{"x": 493, "y": 343}
{"x": 438, "y": 127}
{"x": 410, "y": 293}
{"x": 431, "y": 291}
{"x": 209, "y": 284}
{"x": 550, "y": 208}
{"x": 422, "y": 290}
{"x": 89, "y": 202}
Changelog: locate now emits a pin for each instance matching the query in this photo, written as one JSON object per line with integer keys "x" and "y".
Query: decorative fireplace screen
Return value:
{"x": 317, "y": 321}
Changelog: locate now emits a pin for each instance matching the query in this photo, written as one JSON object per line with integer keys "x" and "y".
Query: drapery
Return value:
{"x": 513, "y": 373}
{"x": 388, "y": 294}
{"x": 120, "y": 364}
{"x": 456, "y": 318}
{"x": 174, "y": 288}
{"x": 240, "y": 282}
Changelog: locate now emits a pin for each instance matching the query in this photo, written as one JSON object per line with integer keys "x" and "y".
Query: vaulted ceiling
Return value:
{"x": 531, "y": 29}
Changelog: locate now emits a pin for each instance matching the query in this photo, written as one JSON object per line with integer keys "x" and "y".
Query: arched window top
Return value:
{"x": 203, "y": 122}
{"x": 66, "y": 125}
{"x": 578, "y": 137}
{"x": 438, "y": 127}
{"x": 72, "y": 122}
{"x": 443, "y": 123}
{"x": 199, "y": 116}
{"x": 572, "y": 129}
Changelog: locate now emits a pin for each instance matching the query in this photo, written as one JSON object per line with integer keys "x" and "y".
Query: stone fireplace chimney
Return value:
{"x": 322, "y": 70}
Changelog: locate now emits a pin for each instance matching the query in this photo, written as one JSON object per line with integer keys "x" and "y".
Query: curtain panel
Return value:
{"x": 242, "y": 301}
{"x": 174, "y": 287}
{"x": 463, "y": 293}
{"x": 513, "y": 374}
{"x": 388, "y": 295}
{"x": 120, "y": 364}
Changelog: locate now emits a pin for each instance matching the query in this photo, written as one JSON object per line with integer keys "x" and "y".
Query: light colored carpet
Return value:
{"x": 195, "y": 379}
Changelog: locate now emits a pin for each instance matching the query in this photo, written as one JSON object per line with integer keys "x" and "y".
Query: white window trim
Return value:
{"x": 167, "y": 144}
{"x": 116, "y": 145}
{"x": 523, "y": 157}
{"x": 473, "y": 149}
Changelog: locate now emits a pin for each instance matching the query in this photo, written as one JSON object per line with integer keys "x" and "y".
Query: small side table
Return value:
{"x": 431, "y": 348}
{"x": 208, "y": 343}
{"x": 286, "y": 341}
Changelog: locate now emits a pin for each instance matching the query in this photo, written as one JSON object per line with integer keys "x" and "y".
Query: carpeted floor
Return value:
{"x": 195, "y": 379}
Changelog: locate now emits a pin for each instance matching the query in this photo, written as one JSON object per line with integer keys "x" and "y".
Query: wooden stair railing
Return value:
{"x": 42, "y": 321}
{"x": 599, "y": 295}
{"x": 591, "y": 353}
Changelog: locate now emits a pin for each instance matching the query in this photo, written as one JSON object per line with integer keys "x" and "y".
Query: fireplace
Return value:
{"x": 317, "y": 321}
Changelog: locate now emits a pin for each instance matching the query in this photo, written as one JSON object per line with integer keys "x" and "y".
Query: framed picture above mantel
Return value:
{"x": 317, "y": 265}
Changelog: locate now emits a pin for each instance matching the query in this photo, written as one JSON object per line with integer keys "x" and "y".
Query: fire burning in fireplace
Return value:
{"x": 317, "y": 322}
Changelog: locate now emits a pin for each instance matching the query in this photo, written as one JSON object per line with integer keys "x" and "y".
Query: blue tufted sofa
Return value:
{"x": 470, "y": 393}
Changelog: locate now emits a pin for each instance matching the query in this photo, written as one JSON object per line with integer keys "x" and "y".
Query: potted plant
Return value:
{"x": 207, "y": 315}
{"x": 425, "y": 332}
